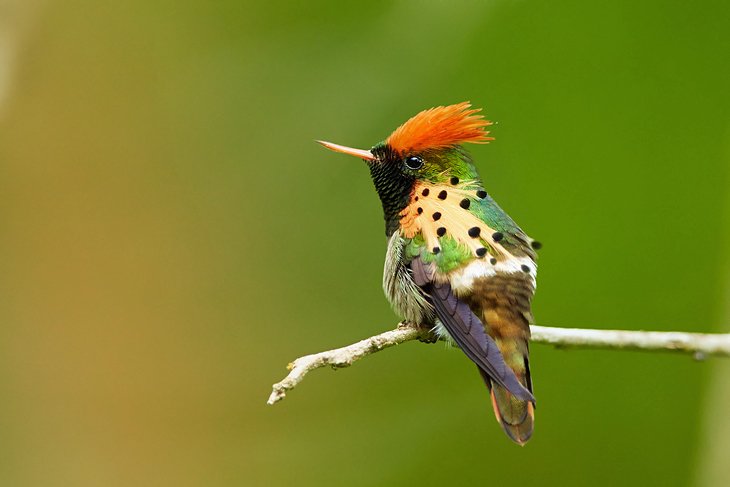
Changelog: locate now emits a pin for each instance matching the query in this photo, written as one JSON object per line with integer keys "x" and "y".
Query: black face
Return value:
{"x": 394, "y": 178}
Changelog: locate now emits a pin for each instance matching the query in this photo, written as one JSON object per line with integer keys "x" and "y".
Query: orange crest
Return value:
{"x": 441, "y": 127}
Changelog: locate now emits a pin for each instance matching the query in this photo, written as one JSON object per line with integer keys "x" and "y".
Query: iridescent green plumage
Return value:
{"x": 451, "y": 254}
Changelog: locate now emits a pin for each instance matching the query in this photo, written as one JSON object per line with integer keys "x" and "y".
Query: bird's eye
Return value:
{"x": 414, "y": 162}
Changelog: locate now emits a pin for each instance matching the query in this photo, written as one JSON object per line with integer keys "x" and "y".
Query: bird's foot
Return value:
{"x": 427, "y": 333}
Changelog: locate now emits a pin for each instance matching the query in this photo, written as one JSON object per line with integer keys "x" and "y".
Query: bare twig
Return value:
{"x": 699, "y": 344}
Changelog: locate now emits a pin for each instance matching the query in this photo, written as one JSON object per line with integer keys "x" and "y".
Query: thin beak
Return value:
{"x": 362, "y": 154}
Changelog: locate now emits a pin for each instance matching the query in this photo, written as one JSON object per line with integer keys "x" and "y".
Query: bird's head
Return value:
{"x": 426, "y": 151}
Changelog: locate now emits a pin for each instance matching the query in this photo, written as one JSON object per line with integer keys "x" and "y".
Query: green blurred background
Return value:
{"x": 171, "y": 237}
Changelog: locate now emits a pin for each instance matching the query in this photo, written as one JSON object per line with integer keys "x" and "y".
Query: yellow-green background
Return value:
{"x": 171, "y": 237}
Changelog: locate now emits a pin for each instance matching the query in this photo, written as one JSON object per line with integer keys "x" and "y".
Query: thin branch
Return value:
{"x": 342, "y": 357}
{"x": 698, "y": 344}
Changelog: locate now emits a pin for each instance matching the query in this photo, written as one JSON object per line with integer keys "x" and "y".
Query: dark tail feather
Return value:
{"x": 516, "y": 416}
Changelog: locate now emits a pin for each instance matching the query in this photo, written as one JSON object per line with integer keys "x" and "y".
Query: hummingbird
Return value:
{"x": 455, "y": 261}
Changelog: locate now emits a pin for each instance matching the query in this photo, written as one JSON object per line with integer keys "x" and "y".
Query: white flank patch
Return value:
{"x": 463, "y": 279}
{"x": 443, "y": 333}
